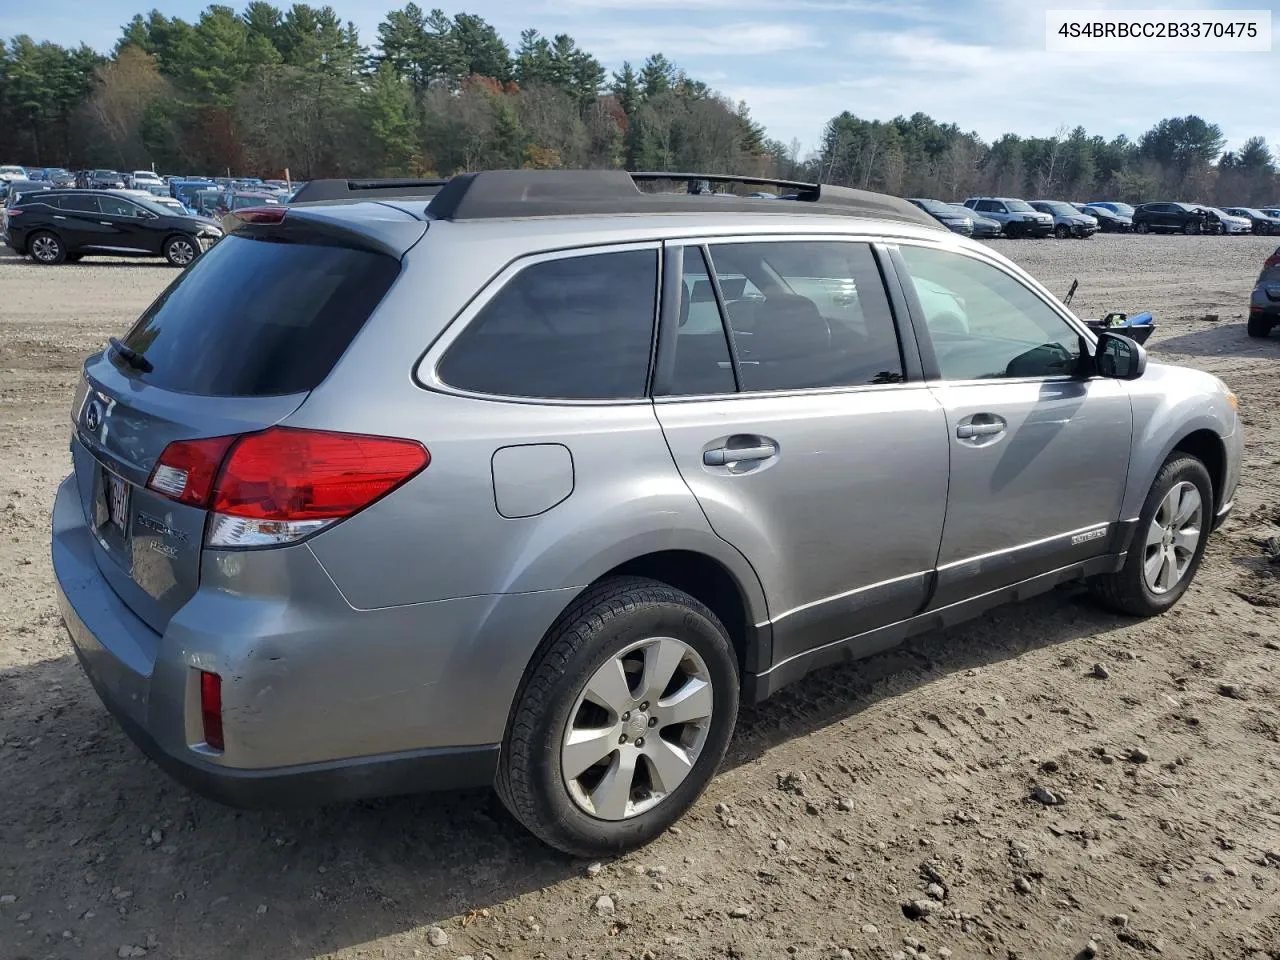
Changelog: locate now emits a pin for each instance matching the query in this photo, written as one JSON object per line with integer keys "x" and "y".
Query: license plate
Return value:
{"x": 117, "y": 501}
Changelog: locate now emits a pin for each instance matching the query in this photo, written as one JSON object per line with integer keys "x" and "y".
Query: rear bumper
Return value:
{"x": 321, "y": 702}
{"x": 439, "y": 768}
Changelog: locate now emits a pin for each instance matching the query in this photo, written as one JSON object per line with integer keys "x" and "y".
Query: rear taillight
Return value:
{"x": 14, "y": 212}
{"x": 1273, "y": 260}
{"x": 283, "y": 484}
{"x": 211, "y": 709}
{"x": 187, "y": 468}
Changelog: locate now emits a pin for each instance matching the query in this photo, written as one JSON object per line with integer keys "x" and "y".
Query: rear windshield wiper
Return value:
{"x": 131, "y": 356}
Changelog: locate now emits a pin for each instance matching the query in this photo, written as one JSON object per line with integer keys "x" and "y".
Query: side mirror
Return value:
{"x": 1119, "y": 358}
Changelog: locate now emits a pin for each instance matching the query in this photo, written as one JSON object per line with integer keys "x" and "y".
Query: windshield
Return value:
{"x": 239, "y": 203}
{"x": 1058, "y": 207}
{"x": 105, "y": 173}
{"x": 1019, "y": 206}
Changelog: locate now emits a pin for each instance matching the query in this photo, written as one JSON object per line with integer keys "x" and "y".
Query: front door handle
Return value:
{"x": 981, "y": 425}
{"x": 726, "y": 455}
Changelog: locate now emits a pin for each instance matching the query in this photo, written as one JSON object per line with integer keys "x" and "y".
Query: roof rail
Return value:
{"x": 508, "y": 194}
{"x": 367, "y": 189}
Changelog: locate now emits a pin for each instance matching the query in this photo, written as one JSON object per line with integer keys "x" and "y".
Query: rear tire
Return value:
{"x": 1260, "y": 327}
{"x": 46, "y": 248}
{"x": 181, "y": 250}
{"x": 1163, "y": 542}
{"x": 600, "y": 652}
{"x": 1143, "y": 227}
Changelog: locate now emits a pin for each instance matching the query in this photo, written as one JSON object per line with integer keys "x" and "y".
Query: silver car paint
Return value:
{"x": 410, "y": 625}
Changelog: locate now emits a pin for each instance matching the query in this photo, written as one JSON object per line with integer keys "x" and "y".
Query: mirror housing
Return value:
{"x": 1119, "y": 358}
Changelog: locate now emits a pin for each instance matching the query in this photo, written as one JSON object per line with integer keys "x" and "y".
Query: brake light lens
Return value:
{"x": 1272, "y": 261}
{"x": 211, "y": 709}
{"x": 283, "y": 484}
{"x": 187, "y": 468}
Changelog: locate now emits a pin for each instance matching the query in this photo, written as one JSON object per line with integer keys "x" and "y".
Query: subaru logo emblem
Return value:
{"x": 93, "y": 416}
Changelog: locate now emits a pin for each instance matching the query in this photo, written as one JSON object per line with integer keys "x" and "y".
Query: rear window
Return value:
{"x": 576, "y": 327}
{"x": 256, "y": 317}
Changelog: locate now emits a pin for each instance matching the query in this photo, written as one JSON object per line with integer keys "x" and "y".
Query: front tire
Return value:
{"x": 1168, "y": 545}
{"x": 181, "y": 251}
{"x": 577, "y": 774}
{"x": 47, "y": 248}
{"x": 1191, "y": 227}
{"x": 1062, "y": 232}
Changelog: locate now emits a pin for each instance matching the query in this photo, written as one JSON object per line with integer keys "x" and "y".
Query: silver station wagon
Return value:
{"x": 531, "y": 478}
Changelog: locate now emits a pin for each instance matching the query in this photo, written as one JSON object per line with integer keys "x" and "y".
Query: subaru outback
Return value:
{"x": 530, "y": 479}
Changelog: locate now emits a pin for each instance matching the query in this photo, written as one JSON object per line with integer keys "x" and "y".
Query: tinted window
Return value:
{"x": 256, "y": 317}
{"x": 82, "y": 202}
{"x": 115, "y": 207}
{"x": 702, "y": 363}
{"x": 573, "y": 328}
{"x": 807, "y": 315}
{"x": 990, "y": 206}
{"x": 985, "y": 323}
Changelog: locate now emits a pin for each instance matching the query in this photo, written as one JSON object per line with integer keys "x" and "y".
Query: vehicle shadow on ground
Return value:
{"x": 1217, "y": 339}
{"x": 340, "y": 876}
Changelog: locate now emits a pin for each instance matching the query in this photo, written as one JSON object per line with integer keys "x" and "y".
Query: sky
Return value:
{"x": 980, "y": 64}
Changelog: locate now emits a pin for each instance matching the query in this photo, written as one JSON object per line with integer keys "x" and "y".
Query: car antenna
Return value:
{"x": 1071, "y": 293}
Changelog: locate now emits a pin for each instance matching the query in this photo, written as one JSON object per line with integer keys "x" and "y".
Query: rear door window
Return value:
{"x": 258, "y": 317}
{"x": 576, "y": 328}
{"x": 808, "y": 314}
{"x": 702, "y": 365}
{"x": 81, "y": 203}
{"x": 115, "y": 207}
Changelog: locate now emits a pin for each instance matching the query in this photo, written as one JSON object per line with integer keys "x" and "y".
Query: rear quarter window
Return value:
{"x": 259, "y": 317}
{"x": 574, "y": 328}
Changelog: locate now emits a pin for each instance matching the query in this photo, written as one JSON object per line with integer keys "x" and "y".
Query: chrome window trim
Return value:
{"x": 425, "y": 372}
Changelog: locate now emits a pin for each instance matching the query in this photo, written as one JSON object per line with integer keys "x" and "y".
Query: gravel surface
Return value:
{"x": 979, "y": 793}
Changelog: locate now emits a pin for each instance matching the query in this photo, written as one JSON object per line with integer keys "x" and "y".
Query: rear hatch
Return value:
{"x": 233, "y": 346}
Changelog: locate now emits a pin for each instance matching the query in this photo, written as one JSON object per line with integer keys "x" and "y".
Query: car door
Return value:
{"x": 131, "y": 226}
{"x": 809, "y": 439}
{"x": 1039, "y": 454}
{"x": 78, "y": 219}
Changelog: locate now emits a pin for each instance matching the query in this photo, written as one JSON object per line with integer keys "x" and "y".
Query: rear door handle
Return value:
{"x": 726, "y": 455}
{"x": 57, "y": 217}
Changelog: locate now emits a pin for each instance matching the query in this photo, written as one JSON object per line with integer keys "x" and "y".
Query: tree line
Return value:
{"x": 267, "y": 89}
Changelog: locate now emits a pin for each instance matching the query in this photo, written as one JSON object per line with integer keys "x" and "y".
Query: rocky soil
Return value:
{"x": 1047, "y": 782}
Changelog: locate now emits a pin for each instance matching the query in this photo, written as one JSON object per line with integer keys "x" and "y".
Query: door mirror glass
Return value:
{"x": 1119, "y": 357}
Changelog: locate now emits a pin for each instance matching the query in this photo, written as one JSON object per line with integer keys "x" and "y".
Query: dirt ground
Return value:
{"x": 903, "y": 778}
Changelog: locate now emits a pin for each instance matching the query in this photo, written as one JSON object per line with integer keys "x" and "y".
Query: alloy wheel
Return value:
{"x": 1172, "y": 538}
{"x": 181, "y": 252}
{"x": 44, "y": 249}
{"x": 637, "y": 728}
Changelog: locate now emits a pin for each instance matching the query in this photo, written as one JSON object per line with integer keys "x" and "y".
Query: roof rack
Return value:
{"x": 367, "y": 189}
{"x": 507, "y": 194}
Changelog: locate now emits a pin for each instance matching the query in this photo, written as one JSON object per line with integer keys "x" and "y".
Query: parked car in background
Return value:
{"x": 105, "y": 180}
{"x": 12, "y": 172}
{"x": 144, "y": 180}
{"x": 204, "y": 203}
{"x": 984, "y": 228}
{"x": 945, "y": 214}
{"x": 1116, "y": 207}
{"x": 1108, "y": 220}
{"x": 1017, "y": 218}
{"x": 1224, "y": 222}
{"x": 59, "y": 176}
{"x": 233, "y": 200}
{"x": 251, "y": 469}
{"x": 1263, "y": 223}
{"x": 14, "y": 190}
{"x": 1067, "y": 220}
{"x": 1170, "y": 217}
{"x": 59, "y": 226}
{"x": 1264, "y": 306}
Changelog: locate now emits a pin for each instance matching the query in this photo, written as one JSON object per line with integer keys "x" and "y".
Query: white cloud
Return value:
{"x": 675, "y": 40}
